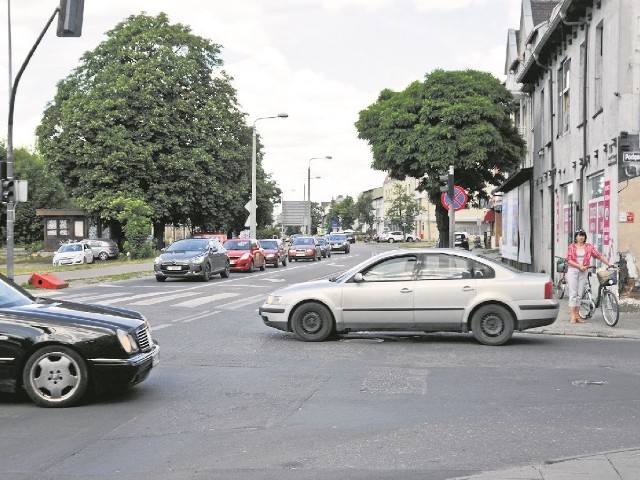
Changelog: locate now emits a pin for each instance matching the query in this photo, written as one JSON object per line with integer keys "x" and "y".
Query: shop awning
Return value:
{"x": 489, "y": 217}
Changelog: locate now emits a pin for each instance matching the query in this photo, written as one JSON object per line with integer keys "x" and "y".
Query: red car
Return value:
{"x": 245, "y": 254}
{"x": 275, "y": 252}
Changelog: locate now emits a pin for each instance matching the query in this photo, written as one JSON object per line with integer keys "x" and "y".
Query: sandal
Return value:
{"x": 577, "y": 320}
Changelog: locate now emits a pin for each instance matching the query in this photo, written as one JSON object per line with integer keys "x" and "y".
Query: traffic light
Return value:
{"x": 8, "y": 191}
{"x": 70, "y": 18}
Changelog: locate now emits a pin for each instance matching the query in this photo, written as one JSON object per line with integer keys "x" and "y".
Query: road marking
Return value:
{"x": 196, "y": 302}
{"x": 166, "y": 298}
{"x": 242, "y": 302}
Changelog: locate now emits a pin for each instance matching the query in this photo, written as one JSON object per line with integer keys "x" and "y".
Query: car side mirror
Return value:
{"x": 162, "y": 250}
{"x": 358, "y": 278}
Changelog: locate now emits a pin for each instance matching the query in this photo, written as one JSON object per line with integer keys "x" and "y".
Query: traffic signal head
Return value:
{"x": 8, "y": 191}
{"x": 70, "y": 18}
{"x": 443, "y": 180}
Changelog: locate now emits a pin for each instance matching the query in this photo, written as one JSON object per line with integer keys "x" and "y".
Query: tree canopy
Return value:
{"x": 149, "y": 114}
{"x": 459, "y": 118}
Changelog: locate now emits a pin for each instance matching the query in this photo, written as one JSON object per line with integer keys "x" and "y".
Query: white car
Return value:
{"x": 421, "y": 290}
{"x": 75, "y": 253}
{"x": 392, "y": 237}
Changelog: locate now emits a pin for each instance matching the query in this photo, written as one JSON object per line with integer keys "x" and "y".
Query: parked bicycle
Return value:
{"x": 606, "y": 298}
{"x": 560, "y": 285}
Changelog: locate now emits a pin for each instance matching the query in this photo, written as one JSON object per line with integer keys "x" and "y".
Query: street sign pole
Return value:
{"x": 452, "y": 211}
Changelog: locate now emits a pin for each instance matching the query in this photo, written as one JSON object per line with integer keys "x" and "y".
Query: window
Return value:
{"x": 595, "y": 191}
{"x": 444, "y": 267}
{"x": 564, "y": 84}
{"x": 391, "y": 270}
{"x": 568, "y": 214}
{"x": 597, "y": 80}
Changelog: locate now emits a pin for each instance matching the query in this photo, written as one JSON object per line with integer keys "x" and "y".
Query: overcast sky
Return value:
{"x": 319, "y": 61}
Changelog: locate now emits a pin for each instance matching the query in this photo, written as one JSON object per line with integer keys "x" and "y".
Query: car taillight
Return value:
{"x": 547, "y": 290}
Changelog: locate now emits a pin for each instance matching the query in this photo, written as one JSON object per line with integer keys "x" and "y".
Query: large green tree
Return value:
{"x": 459, "y": 118}
{"x": 366, "y": 215}
{"x": 403, "y": 209}
{"x": 149, "y": 114}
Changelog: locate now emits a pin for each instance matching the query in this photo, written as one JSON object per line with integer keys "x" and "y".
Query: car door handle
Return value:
{"x": 406, "y": 290}
{"x": 467, "y": 288}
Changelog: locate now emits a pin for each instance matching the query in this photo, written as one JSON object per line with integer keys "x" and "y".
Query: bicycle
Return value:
{"x": 606, "y": 298}
{"x": 560, "y": 286}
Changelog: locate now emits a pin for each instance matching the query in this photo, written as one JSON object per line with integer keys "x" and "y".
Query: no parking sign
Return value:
{"x": 460, "y": 199}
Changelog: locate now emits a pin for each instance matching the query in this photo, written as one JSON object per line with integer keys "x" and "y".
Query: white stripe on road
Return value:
{"x": 196, "y": 302}
{"x": 243, "y": 302}
{"x": 166, "y": 298}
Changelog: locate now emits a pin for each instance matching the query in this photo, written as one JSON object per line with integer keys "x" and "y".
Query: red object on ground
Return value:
{"x": 47, "y": 280}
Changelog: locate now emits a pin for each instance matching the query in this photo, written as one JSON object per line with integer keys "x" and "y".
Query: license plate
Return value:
{"x": 174, "y": 267}
{"x": 300, "y": 254}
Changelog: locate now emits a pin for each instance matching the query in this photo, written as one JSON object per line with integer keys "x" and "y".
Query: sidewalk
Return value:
{"x": 93, "y": 273}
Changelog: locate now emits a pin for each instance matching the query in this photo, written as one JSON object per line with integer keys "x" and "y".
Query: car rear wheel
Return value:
{"x": 312, "y": 322}
{"x": 492, "y": 325}
{"x": 55, "y": 376}
{"x": 103, "y": 256}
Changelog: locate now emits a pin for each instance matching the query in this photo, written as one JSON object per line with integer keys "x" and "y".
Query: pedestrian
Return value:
{"x": 578, "y": 260}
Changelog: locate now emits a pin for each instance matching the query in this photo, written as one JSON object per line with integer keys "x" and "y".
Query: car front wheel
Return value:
{"x": 55, "y": 376}
{"x": 206, "y": 272}
{"x": 391, "y": 240}
{"x": 312, "y": 322}
{"x": 492, "y": 325}
{"x": 226, "y": 271}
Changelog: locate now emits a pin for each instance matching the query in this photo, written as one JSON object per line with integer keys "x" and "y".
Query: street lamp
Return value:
{"x": 252, "y": 213}
{"x": 328, "y": 157}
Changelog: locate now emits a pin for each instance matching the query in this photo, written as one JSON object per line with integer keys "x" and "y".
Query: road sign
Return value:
{"x": 460, "y": 199}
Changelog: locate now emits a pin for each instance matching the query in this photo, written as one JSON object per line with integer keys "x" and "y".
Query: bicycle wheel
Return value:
{"x": 561, "y": 286}
{"x": 587, "y": 307}
{"x": 610, "y": 310}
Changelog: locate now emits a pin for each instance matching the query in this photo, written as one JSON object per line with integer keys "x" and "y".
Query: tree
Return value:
{"x": 149, "y": 114}
{"x": 135, "y": 216}
{"x": 345, "y": 210}
{"x": 364, "y": 210}
{"x": 459, "y": 118}
{"x": 403, "y": 209}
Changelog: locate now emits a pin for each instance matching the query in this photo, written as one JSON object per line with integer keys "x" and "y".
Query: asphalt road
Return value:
{"x": 233, "y": 399}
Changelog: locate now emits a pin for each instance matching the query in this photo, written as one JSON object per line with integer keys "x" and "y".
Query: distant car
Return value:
{"x": 192, "y": 258}
{"x": 58, "y": 350}
{"x": 275, "y": 251}
{"x": 75, "y": 253}
{"x": 304, "y": 248}
{"x": 422, "y": 290}
{"x": 245, "y": 254}
{"x": 325, "y": 248}
{"x": 338, "y": 242}
{"x": 103, "y": 248}
{"x": 351, "y": 235}
{"x": 392, "y": 237}
{"x": 461, "y": 240}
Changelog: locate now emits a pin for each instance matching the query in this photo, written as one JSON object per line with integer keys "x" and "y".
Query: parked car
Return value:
{"x": 74, "y": 253}
{"x": 338, "y": 242}
{"x": 192, "y": 258}
{"x": 275, "y": 251}
{"x": 325, "y": 248}
{"x": 103, "y": 248}
{"x": 461, "y": 240}
{"x": 304, "y": 248}
{"x": 391, "y": 237}
{"x": 57, "y": 350}
{"x": 424, "y": 290}
{"x": 245, "y": 254}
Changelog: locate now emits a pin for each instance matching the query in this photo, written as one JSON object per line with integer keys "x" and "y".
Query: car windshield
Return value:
{"x": 269, "y": 244}
{"x": 303, "y": 241}
{"x": 11, "y": 296}
{"x": 237, "y": 244}
{"x": 191, "y": 245}
{"x": 322, "y": 241}
{"x": 70, "y": 248}
{"x": 337, "y": 238}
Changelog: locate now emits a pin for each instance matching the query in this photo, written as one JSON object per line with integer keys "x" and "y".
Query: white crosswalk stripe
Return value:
{"x": 196, "y": 302}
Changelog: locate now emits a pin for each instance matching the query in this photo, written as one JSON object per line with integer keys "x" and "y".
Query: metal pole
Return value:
{"x": 252, "y": 213}
{"x": 308, "y": 230}
{"x": 452, "y": 211}
{"x": 12, "y": 100}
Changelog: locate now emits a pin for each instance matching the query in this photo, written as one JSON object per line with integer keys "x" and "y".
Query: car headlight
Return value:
{"x": 274, "y": 299}
{"x": 127, "y": 341}
{"x": 245, "y": 256}
{"x": 197, "y": 259}
{"x": 158, "y": 260}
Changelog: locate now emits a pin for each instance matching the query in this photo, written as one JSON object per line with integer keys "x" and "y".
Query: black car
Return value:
{"x": 338, "y": 242}
{"x": 325, "y": 248}
{"x": 57, "y": 351}
{"x": 192, "y": 258}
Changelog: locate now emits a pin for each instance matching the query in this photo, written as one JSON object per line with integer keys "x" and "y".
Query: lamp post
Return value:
{"x": 252, "y": 213}
{"x": 328, "y": 157}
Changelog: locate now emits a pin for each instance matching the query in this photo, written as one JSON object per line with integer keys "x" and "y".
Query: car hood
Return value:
{"x": 315, "y": 286}
{"x": 236, "y": 253}
{"x": 179, "y": 256}
{"x": 61, "y": 312}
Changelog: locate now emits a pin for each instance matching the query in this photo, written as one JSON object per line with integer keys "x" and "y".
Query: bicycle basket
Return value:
{"x": 607, "y": 277}
{"x": 561, "y": 265}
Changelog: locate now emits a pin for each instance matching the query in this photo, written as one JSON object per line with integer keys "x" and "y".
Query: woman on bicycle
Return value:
{"x": 578, "y": 260}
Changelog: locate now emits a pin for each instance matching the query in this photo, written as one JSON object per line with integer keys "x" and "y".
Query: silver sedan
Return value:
{"x": 428, "y": 290}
